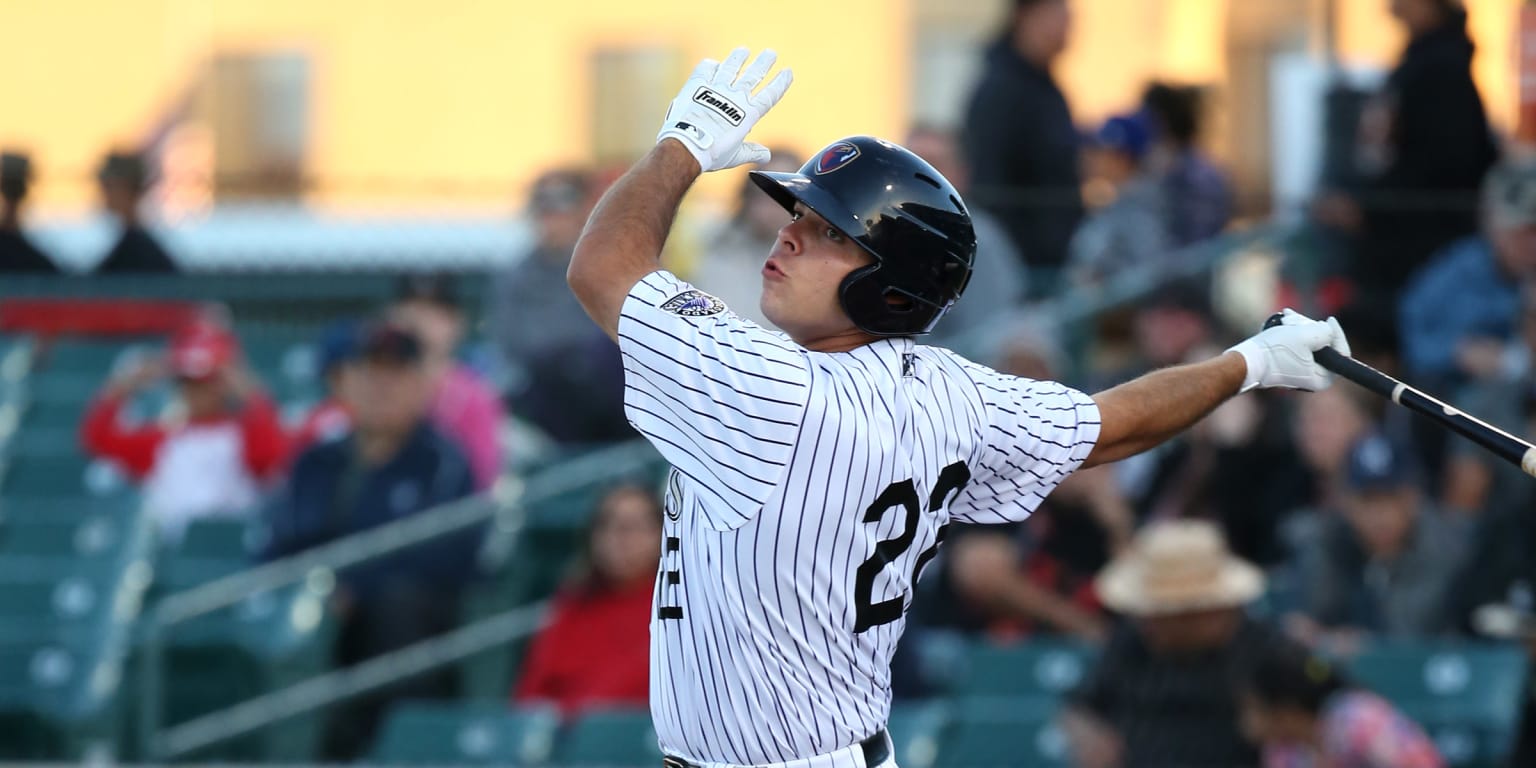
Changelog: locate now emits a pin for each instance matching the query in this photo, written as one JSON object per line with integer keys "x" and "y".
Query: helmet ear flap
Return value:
{"x": 862, "y": 296}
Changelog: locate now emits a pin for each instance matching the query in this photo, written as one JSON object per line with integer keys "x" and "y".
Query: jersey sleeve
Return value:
{"x": 1035, "y": 433}
{"x": 720, "y": 397}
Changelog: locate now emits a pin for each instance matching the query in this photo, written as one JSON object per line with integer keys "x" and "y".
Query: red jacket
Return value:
{"x": 595, "y": 651}
{"x": 265, "y": 447}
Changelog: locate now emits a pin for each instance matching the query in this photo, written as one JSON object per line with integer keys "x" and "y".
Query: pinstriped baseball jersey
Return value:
{"x": 808, "y": 491}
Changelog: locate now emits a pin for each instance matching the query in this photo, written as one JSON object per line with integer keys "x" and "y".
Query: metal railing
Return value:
{"x": 506, "y": 508}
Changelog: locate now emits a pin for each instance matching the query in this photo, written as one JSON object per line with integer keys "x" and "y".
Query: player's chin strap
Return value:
{"x": 876, "y": 749}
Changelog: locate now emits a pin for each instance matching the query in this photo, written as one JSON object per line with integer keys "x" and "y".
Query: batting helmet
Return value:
{"x": 900, "y": 210}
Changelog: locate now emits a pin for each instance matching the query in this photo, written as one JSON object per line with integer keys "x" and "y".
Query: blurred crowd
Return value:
{"x": 1221, "y": 574}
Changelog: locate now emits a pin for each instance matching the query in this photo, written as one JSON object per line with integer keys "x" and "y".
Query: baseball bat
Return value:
{"x": 1502, "y": 444}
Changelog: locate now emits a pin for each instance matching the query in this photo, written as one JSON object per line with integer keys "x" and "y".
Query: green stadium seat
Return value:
{"x": 917, "y": 732}
{"x": 47, "y": 442}
{"x": 611, "y": 737}
{"x": 465, "y": 734}
{"x": 990, "y": 732}
{"x": 1038, "y": 667}
{"x": 82, "y": 357}
{"x": 96, "y": 536}
{"x": 1468, "y": 696}
{"x": 227, "y": 539}
{"x": 45, "y": 509}
{"x": 62, "y": 476}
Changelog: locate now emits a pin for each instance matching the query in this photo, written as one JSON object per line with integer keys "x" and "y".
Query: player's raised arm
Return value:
{"x": 705, "y": 130}
{"x": 1153, "y": 408}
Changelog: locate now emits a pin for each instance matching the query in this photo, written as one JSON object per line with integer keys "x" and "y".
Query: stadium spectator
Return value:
{"x": 1126, "y": 230}
{"x": 464, "y": 407}
{"x": 212, "y": 457}
{"x": 1164, "y": 691}
{"x": 732, "y": 267}
{"x": 1385, "y": 561}
{"x": 1476, "y": 480}
{"x": 999, "y": 280}
{"x": 1306, "y": 714}
{"x": 595, "y": 649}
{"x": 1424, "y": 144}
{"x": 1327, "y": 425}
{"x": 1020, "y": 143}
{"x": 1460, "y": 311}
{"x": 17, "y": 253}
{"x": 1008, "y": 582}
{"x": 124, "y": 178}
{"x": 332, "y": 417}
{"x": 1197, "y": 194}
{"x": 565, "y": 374}
{"x": 392, "y": 465}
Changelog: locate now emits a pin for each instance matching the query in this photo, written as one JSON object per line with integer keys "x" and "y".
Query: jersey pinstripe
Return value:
{"x": 808, "y": 490}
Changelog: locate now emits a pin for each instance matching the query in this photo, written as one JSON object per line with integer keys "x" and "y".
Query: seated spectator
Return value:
{"x": 1164, "y": 692}
{"x": 732, "y": 267}
{"x": 595, "y": 649}
{"x": 464, "y": 407}
{"x": 1385, "y": 560}
{"x": 124, "y": 179}
{"x": 998, "y": 282}
{"x": 565, "y": 375}
{"x": 17, "y": 253}
{"x": 393, "y": 464}
{"x": 332, "y": 417}
{"x": 1125, "y": 229}
{"x": 1198, "y": 194}
{"x": 1327, "y": 425}
{"x": 1306, "y": 714}
{"x": 1459, "y": 311}
{"x": 209, "y": 458}
{"x": 1476, "y": 481}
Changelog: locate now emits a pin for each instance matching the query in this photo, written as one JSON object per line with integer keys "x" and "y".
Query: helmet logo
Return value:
{"x": 836, "y": 157}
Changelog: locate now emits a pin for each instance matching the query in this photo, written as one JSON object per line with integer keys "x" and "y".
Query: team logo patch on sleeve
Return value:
{"x": 694, "y": 304}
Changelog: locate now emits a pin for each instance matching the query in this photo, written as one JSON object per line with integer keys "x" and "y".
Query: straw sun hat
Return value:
{"x": 1178, "y": 566}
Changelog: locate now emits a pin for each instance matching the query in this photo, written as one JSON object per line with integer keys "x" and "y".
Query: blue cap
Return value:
{"x": 1125, "y": 133}
{"x": 1378, "y": 463}
{"x": 338, "y": 345}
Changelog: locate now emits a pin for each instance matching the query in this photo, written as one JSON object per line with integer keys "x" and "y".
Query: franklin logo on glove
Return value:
{"x": 726, "y": 109}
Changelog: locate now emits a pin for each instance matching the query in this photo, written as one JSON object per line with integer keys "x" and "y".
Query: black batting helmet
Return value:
{"x": 900, "y": 210}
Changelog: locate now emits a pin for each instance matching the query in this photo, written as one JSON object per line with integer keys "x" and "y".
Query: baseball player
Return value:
{"x": 816, "y": 467}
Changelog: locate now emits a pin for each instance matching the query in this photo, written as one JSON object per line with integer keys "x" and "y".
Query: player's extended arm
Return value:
{"x": 705, "y": 130}
{"x": 1144, "y": 412}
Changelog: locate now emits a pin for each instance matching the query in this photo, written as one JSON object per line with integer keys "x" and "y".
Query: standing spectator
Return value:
{"x": 124, "y": 179}
{"x": 210, "y": 460}
{"x": 1424, "y": 144}
{"x": 1461, "y": 310}
{"x": 332, "y": 417}
{"x": 464, "y": 407}
{"x": 1020, "y": 142}
{"x": 1307, "y": 715}
{"x": 17, "y": 253}
{"x": 595, "y": 650}
{"x": 1197, "y": 194}
{"x": 732, "y": 267}
{"x": 1385, "y": 563}
{"x": 1164, "y": 693}
{"x": 1126, "y": 231}
{"x": 998, "y": 282}
{"x": 392, "y": 465}
{"x": 565, "y": 374}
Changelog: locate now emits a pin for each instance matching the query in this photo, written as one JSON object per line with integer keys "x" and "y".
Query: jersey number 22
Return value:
{"x": 869, "y": 614}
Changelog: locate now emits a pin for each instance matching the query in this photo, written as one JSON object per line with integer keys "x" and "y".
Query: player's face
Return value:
{"x": 802, "y": 275}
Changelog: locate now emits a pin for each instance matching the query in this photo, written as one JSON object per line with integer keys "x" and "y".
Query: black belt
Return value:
{"x": 876, "y": 749}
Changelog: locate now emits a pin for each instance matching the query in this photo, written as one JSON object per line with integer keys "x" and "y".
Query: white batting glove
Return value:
{"x": 716, "y": 109}
{"x": 1281, "y": 356}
